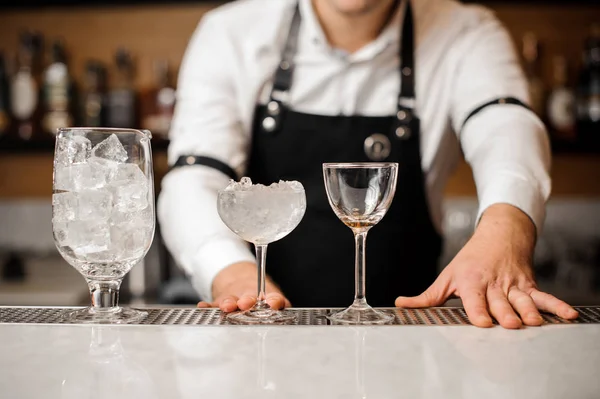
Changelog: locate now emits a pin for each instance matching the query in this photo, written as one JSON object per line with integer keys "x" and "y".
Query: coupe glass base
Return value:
{"x": 360, "y": 315}
{"x": 118, "y": 315}
{"x": 262, "y": 316}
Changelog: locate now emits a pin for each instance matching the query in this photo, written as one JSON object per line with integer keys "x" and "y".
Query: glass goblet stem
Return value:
{"x": 261, "y": 258}
{"x": 360, "y": 240}
{"x": 104, "y": 294}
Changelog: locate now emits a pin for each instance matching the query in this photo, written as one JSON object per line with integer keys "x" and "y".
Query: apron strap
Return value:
{"x": 283, "y": 77}
{"x": 404, "y": 126}
{"x": 406, "y": 98}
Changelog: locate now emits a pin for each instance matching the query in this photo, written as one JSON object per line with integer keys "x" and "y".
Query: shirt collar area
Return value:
{"x": 312, "y": 34}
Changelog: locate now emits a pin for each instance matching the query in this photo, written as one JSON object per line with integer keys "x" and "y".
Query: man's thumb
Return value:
{"x": 433, "y": 296}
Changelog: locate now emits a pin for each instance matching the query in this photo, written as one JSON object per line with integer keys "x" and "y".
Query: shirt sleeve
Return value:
{"x": 506, "y": 145}
{"x": 206, "y": 122}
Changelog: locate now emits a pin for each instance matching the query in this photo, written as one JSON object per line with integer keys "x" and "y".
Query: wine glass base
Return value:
{"x": 364, "y": 315}
{"x": 262, "y": 316}
{"x": 118, "y": 315}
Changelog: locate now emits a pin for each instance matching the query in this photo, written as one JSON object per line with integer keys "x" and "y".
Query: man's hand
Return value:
{"x": 492, "y": 275}
{"x": 235, "y": 287}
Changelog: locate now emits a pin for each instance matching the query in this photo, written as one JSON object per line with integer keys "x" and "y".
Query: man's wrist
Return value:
{"x": 506, "y": 221}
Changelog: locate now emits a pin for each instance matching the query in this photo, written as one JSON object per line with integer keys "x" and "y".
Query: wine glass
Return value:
{"x": 360, "y": 195}
{"x": 103, "y": 212}
{"x": 261, "y": 215}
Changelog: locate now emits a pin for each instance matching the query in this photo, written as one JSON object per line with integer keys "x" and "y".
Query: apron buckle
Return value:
{"x": 377, "y": 147}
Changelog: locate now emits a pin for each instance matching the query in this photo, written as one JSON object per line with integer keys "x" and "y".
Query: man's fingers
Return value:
{"x": 228, "y": 303}
{"x": 501, "y": 310}
{"x": 476, "y": 307}
{"x": 276, "y": 301}
{"x": 203, "y": 304}
{"x": 551, "y": 304}
{"x": 246, "y": 301}
{"x": 524, "y": 305}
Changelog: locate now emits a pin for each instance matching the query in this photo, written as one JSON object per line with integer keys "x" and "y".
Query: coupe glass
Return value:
{"x": 262, "y": 215}
{"x": 103, "y": 212}
{"x": 360, "y": 195}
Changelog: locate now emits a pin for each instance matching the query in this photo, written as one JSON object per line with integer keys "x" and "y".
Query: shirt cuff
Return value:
{"x": 515, "y": 191}
{"x": 213, "y": 257}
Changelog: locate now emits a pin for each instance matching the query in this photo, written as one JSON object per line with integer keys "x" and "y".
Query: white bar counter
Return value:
{"x": 177, "y": 361}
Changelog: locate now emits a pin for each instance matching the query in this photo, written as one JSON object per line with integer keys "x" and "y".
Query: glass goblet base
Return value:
{"x": 116, "y": 315}
{"x": 360, "y": 314}
{"x": 262, "y": 316}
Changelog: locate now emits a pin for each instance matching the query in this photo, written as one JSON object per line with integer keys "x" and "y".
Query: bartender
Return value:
{"x": 273, "y": 89}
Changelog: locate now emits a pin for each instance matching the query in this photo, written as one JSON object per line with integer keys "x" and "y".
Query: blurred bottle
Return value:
{"x": 561, "y": 103}
{"x": 25, "y": 88}
{"x": 4, "y": 97}
{"x": 94, "y": 95}
{"x": 121, "y": 101}
{"x": 58, "y": 92}
{"x": 531, "y": 58}
{"x": 159, "y": 102}
{"x": 588, "y": 92}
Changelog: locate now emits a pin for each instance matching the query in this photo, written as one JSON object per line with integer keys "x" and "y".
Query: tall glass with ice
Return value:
{"x": 261, "y": 215}
{"x": 103, "y": 212}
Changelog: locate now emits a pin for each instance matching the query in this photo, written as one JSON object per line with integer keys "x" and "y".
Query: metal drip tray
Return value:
{"x": 306, "y": 317}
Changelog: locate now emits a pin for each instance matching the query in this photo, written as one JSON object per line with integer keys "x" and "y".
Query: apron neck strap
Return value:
{"x": 406, "y": 98}
{"x": 285, "y": 71}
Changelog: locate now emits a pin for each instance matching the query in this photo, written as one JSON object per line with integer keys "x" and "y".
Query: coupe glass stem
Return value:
{"x": 360, "y": 239}
{"x": 104, "y": 294}
{"x": 261, "y": 257}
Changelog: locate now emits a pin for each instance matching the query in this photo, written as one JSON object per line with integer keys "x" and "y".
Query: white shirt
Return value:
{"x": 464, "y": 58}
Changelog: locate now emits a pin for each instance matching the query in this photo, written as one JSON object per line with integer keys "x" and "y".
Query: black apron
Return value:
{"x": 314, "y": 264}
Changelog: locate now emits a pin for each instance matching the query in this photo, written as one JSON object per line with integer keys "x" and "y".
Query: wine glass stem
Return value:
{"x": 360, "y": 239}
{"x": 104, "y": 294}
{"x": 261, "y": 258}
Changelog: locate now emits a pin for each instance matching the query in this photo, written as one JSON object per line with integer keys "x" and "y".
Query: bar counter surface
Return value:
{"x": 45, "y": 360}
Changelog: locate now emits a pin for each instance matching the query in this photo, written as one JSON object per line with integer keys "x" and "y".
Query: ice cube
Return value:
{"x": 287, "y": 186}
{"x": 128, "y": 197}
{"x": 78, "y": 177}
{"x": 64, "y": 207}
{"x": 105, "y": 166}
{"x": 87, "y": 237}
{"x": 294, "y": 185}
{"x": 61, "y": 233}
{"x": 143, "y": 219}
{"x": 72, "y": 150}
{"x": 130, "y": 188}
{"x": 131, "y": 232}
{"x": 246, "y": 181}
{"x": 130, "y": 241}
{"x": 94, "y": 205}
{"x": 129, "y": 172}
{"x": 108, "y": 256}
{"x": 110, "y": 149}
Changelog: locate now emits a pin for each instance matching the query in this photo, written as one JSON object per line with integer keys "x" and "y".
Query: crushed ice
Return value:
{"x": 245, "y": 184}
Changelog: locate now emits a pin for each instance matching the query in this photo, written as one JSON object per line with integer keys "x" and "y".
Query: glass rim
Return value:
{"x": 359, "y": 165}
{"x": 145, "y": 132}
